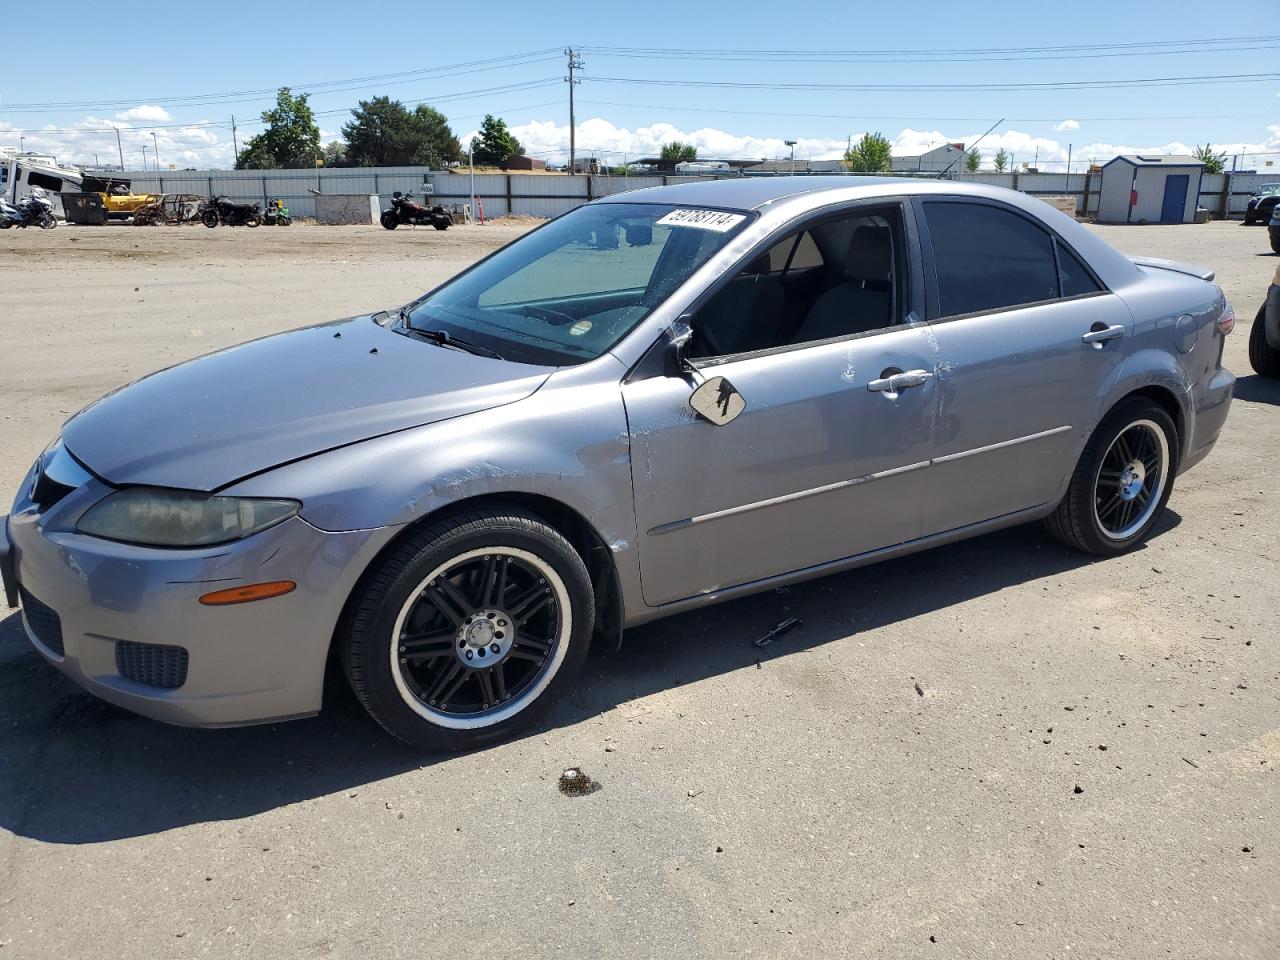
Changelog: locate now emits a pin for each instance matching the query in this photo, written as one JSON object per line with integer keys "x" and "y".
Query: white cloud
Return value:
{"x": 93, "y": 139}
{"x": 1067, "y": 125}
{"x": 144, "y": 112}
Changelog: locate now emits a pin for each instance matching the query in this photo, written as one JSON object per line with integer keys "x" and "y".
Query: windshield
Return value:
{"x": 1269, "y": 189}
{"x": 566, "y": 293}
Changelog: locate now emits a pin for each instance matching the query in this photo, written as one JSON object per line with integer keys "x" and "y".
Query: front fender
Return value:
{"x": 567, "y": 442}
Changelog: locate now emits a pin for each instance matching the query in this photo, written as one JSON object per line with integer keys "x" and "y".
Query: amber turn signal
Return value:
{"x": 254, "y": 591}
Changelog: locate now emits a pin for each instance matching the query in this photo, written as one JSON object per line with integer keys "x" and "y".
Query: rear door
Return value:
{"x": 1029, "y": 342}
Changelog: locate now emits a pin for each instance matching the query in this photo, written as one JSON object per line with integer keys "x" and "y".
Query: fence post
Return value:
{"x": 510, "y": 209}
{"x": 1084, "y": 207}
{"x": 210, "y": 187}
{"x": 590, "y": 192}
{"x": 1226, "y": 194}
{"x": 264, "y": 191}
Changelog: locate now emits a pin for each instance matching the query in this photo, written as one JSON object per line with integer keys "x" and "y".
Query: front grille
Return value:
{"x": 155, "y": 664}
{"x": 43, "y": 621}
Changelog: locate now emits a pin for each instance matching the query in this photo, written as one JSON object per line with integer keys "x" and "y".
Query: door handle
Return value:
{"x": 899, "y": 381}
{"x": 1099, "y": 337}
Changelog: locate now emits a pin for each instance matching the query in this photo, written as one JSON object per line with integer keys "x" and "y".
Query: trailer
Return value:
{"x": 21, "y": 172}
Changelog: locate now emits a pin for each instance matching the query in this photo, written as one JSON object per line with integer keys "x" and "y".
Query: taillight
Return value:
{"x": 1227, "y": 322}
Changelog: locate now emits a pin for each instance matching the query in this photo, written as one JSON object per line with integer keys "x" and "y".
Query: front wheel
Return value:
{"x": 1264, "y": 358}
{"x": 390, "y": 220}
{"x": 253, "y": 220}
{"x": 209, "y": 218}
{"x": 1275, "y": 239}
{"x": 1122, "y": 482}
{"x": 469, "y": 632}
{"x": 47, "y": 221}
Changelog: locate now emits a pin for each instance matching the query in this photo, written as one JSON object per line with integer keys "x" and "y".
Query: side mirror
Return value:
{"x": 717, "y": 401}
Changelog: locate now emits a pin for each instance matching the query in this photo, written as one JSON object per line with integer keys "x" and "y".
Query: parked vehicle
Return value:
{"x": 277, "y": 214}
{"x": 765, "y": 380}
{"x": 1273, "y": 229}
{"x": 221, "y": 210}
{"x": 170, "y": 208}
{"x": 404, "y": 209}
{"x": 1262, "y": 204}
{"x": 1264, "y": 337}
{"x": 34, "y": 210}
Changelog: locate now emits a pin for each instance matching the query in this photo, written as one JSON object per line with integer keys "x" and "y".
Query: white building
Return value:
{"x": 947, "y": 156}
{"x": 1149, "y": 189}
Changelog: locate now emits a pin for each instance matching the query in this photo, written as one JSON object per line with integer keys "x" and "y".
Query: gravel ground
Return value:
{"x": 996, "y": 749}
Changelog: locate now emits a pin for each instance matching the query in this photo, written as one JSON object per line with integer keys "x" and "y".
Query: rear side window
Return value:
{"x": 986, "y": 258}
{"x": 44, "y": 181}
{"x": 1076, "y": 280}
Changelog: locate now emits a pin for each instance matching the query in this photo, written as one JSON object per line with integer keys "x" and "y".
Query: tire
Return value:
{"x": 48, "y": 221}
{"x": 253, "y": 220}
{"x": 1275, "y": 241}
{"x": 1264, "y": 358}
{"x": 209, "y": 218}
{"x": 440, "y": 224}
{"x": 535, "y": 624}
{"x": 389, "y": 219}
{"x": 1109, "y": 515}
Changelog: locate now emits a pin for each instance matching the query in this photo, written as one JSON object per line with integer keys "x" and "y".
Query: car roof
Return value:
{"x": 751, "y": 193}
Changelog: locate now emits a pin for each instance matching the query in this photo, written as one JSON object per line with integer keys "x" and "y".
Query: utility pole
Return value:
{"x": 121, "y": 149}
{"x": 157, "y": 146}
{"x": 234, "y": 145}
{"x": 575, "y": 63}
{"x": 792, "y": 145}
{"x": 144, "y": 156}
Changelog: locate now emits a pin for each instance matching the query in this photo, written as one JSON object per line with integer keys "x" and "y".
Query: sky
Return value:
{"x": 737, "y": 80}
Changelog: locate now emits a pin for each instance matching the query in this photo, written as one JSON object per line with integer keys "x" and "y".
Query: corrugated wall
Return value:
{"x": 549, "y": 195}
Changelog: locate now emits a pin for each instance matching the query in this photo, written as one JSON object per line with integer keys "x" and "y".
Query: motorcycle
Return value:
{"x": 221, "y": 210}
{"x": 277, "y": 214}
{"x": 404, "y": 209}
{"x": 33, "y": 211}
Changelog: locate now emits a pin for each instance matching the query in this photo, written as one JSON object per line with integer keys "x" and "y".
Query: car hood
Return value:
{"x": 204, "y": 424}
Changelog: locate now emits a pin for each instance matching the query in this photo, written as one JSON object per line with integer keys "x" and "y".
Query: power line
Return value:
{"x": 847, "y": 116}
{"x": 934, "y": 87}
{"x": 331, "y": 86}
{"x": 801, "y": 57}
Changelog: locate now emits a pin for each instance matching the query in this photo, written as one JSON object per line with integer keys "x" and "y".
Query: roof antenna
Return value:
{"x": 972, "y": 146}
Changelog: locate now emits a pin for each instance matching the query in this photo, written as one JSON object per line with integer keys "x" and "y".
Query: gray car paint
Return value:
{"x": 613, "y": 441}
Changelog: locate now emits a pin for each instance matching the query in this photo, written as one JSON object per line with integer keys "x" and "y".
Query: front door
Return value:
{"x": 1018, "y": 383}
{"x": 828, "y": 458}
{"x": 1175, "y": 198}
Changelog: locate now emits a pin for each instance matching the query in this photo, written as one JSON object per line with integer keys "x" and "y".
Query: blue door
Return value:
{"x": 1175, "y": 198}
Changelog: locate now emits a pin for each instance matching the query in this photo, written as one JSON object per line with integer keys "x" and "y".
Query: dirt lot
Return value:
{"x": 1090, "y": 771}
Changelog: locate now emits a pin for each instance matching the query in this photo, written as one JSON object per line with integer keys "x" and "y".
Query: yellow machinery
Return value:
{"x": 123, "y": 204}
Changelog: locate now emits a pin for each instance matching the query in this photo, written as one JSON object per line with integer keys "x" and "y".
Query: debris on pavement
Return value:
{"x": 576, "y": 783}
{"x": 919, "y": 689}
{"x": 786, "y": 626}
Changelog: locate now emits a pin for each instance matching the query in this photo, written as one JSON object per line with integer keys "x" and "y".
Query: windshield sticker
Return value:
{"x": 716, "y": 220}
{"x": 579, "y": 328}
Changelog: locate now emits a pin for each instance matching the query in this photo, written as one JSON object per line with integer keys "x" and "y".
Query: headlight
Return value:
{"x": 172, "y": 518}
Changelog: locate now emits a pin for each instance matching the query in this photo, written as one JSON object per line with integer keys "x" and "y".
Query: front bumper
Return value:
{"x": 245, "y": 663}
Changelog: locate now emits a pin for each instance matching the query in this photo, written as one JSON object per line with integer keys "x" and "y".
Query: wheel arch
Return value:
{"x": 568, "y": 522}
{"x": 1165, "y": 398}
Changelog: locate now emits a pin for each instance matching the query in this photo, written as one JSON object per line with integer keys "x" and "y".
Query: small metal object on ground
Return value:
{"x": 785, "y": 626}
{"x": 575, "y": 783}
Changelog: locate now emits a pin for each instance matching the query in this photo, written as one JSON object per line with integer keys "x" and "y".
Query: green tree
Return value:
{"x": 383, "y": 133}
{"x": 494, "y": 144}
{"x": 868, "y": 155}
{"x": 1213, "y": 162}
{"x": 973, "y": 161}
{"x": 1002, "y": 160}
{"x": 335, "y": 154}
{"x": 291, "y": 138}
{"x": 678, "y": 152}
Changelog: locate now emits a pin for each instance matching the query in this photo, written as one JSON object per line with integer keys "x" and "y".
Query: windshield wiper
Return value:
{"x": 445, "y": 339}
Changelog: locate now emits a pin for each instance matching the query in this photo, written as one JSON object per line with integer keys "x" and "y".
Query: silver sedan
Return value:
{"x": 658, "y": 401}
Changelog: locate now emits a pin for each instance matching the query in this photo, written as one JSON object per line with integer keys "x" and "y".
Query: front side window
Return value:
{"x": 840, "y": 277}
{"x": 568, "y": 292}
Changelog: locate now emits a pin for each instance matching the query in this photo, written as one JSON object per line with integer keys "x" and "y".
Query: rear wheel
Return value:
{"x": 471, "y": 630}
{"x": 1122, "y": 482}
{"x": 1264, "y": 358}
{"x": 209, "y": 218}
{"x": 253, "y": 220}
{"x": 1275, "y": 239}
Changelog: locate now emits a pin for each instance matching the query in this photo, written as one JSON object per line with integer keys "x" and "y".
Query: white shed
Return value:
{"x": 1150, "y": 189}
